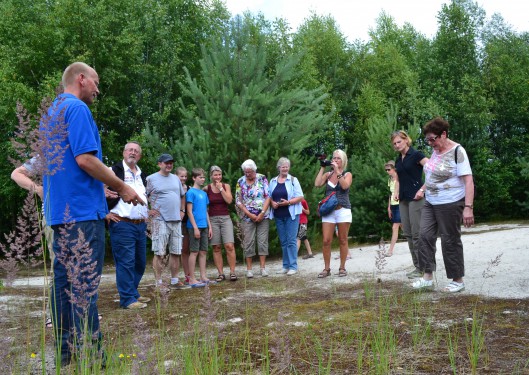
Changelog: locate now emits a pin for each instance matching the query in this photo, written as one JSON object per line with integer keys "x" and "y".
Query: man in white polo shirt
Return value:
{"x": 128, "y": 230}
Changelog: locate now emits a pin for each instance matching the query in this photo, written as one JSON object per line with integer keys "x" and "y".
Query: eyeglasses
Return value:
{"x": 431, "y": 140}
{"x": 133, "y": 151}
{"x": 387, "y": 170}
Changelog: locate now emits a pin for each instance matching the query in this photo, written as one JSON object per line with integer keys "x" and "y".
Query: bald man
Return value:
{"x": 75, "y": 207}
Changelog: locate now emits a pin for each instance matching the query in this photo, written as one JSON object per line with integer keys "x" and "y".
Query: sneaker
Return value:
{"x": 264, "y": 272}
{"x": 282, "y": 271}
{"x": 414, "y": 274}
{"x": 179, "y": 285}
{"x": 249, "y": 274}
{"x": 292, "y": 272}
{"x": 136, "y": 306}
{"x": 454, "y": 287}
{"x": 422, "y": 284}
{"x": 307, "y": 256}
{"x": 144, "y": 299}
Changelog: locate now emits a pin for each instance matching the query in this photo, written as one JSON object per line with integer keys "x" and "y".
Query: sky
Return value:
{"x": 356, "y": 17}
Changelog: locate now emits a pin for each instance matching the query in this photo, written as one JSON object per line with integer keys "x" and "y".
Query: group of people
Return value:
{"x": 185, "y": 220}
{"x": 433, "y": 208}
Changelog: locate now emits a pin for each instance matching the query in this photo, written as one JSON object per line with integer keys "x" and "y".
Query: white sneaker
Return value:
{"x": 264, "y": 272}
{"x": 292, "y": 272}
{"x": 421, "y": 284}
{"x": 282, "y": 271}
{"x": 249, "y": 274}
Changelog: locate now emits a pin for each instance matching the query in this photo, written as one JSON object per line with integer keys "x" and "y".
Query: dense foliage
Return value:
{"x": 183, "y": 76}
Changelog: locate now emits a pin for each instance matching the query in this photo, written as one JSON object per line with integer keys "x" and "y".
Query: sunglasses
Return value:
{"x": 387, "y": 170}
{"x": 431, "y": 140}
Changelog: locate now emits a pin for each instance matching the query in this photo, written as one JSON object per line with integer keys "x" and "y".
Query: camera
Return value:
{"x": 323, "y": 161}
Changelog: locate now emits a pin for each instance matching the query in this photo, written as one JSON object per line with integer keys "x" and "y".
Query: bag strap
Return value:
{"x": 455, "y": 156}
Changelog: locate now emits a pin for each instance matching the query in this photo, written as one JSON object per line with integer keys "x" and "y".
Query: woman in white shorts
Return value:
{"x": 336, "y": 180}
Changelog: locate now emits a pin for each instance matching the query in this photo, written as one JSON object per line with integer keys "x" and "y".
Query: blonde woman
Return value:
{"x": 410, "y": 193}
{"x": 220, "y": 197}
{"x": 337, "y": 180}
{"x": 393, "y": 206}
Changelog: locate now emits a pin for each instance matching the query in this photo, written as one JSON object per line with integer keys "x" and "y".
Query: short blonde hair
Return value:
{"x": 390, "y": 164}
{"x": 342, "y": 155}
{"x": 214, "y": 168}
{"x": 402, "y": 134}
{"x": 73, "y": 70}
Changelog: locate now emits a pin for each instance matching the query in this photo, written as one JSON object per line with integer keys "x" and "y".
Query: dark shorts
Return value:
{"x": 198, "y": 244}
{"x": 302, "y": 232}
{"x": 395, "y": 214}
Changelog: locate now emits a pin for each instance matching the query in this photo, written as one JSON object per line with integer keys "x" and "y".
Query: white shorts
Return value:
{"x": 343, "y": 215}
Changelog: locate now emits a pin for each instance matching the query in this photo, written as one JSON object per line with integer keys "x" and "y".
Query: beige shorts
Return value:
{"x": 222, "y": 230}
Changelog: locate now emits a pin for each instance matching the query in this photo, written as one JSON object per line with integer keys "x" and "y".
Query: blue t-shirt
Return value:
{"x": 66, "y": 185}
{"x": 200, "y": 201}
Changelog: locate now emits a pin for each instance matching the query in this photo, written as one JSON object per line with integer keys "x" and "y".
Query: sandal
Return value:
{"x": 233, "y": 277}
{"x": 454, "y": 287}
{"x": 220, "y": 278}
{"x": 342, "y": 272}
{"x": 324, "y": 273}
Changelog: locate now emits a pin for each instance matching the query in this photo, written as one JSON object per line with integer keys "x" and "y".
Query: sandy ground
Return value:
{"x": 508, "y": 244}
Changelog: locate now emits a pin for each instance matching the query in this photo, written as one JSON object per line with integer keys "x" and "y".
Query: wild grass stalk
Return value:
{"x": 452, "y": 347}
{"x": 475, "y": 340}
{"x": 383, "y": 340}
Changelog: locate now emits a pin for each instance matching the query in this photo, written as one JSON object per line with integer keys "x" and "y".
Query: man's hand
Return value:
{"x": 130, "y": 196}
{"x": 110, "y": 193}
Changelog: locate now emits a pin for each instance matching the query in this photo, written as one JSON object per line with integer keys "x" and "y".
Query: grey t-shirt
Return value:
{"x": 165, "y": 194}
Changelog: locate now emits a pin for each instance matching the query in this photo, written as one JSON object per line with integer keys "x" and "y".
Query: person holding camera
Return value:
{"x": 336, "y": 180}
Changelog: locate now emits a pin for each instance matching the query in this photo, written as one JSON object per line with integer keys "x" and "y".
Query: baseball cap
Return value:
{"x": 164, "y": 158}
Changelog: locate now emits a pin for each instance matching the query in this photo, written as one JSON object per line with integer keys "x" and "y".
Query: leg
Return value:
{"x": 202, "y": 254}
{"x": 428, "y": 237}
{"x": 141, "y": 255}
{"x": 174, "y": 265}
{"x": 307, "y": 245}
{"x": 249, "y": 231}
{"x": 192, "y": 263}
{"x": 157, "y": 266}
{"x": 281, "y": 226}
{"x": 415, "y": 209}
{"x": 231, "y": 256}
{"x": 262, "y": 241}
{"x": 394, "y": 237}
{"x": 328, "y": 233}
{"x": 291, "y": 246}
{"x": 185, "y": 250}
{"x": 123, "y": 241}
{"x": 449, "y": 217}
{"x": 343, "y": 233}
{"x": 404, "y": 208}
{"x": 217, "y": 258}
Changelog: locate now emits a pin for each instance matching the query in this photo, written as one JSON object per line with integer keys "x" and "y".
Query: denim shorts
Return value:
{"x": 395, "y": 214}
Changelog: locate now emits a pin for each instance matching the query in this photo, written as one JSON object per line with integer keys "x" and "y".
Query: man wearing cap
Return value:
{"x": 128, "y": 230}
{"x": 167, "y": 198}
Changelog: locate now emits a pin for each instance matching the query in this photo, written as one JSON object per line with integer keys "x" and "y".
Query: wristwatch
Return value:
{"x": 421, "y": 189}
{"x": 471, "y": 206}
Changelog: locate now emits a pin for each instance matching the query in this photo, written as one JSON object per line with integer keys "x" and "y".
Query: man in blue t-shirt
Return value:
{"x": 75, "y": 207}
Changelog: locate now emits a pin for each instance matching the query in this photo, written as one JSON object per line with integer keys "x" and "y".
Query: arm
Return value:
{"x": 95, "y": 168}
{"x": 21, "y": 176}
{"x": 191, "y": 218}
{"x": 468, "y": 212}
{"x": 422, "y": 191}
{"x": 321, "y": 178}
{"x": 210, "y": 231}
{"x": 225, "y": 190}
{"x": 389, "y": 206}
{"x": 261, "y": 215}
{"x": 305, "y": 208}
